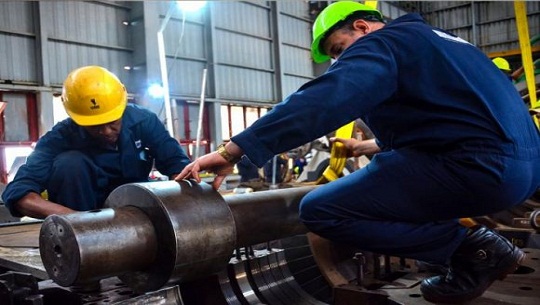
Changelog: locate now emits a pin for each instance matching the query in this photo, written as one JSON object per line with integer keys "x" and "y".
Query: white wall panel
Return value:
{"x": 17, "y": 42}
{"x": 489, "y": 24}
{"x": 16, "y": 16}
{"x": 18, "y": 59}
{"x": 297, "y": 8}
{"x": 190, "y": 43}
{"x": 242, "y": 17}
{"x": 185, "y": 77}
{"x": 248, "y": 51}
{"x": 69, "y": 56}
{"x": 245, "y": 84}
{"x": 15, "y": 117}
{"x": 88, "y": 33}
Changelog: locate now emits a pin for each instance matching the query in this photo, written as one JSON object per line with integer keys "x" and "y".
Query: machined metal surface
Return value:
{"x": 78, "y": 247}
{"x": 267, "y": 215}
{"x": 234, "y": 250}
{"x": 152, "y": 234}
{"x": 187, "y": 231}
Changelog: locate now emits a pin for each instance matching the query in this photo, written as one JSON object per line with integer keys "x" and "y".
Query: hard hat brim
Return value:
{"x": 94, "y": 120}
{"x": 316, "y": 53}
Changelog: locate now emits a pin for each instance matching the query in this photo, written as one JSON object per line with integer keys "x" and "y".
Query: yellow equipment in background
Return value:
{"x": 526, "y": 55}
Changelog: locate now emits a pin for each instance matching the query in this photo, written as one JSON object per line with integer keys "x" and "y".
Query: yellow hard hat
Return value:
{"x": 501, "y": 63}
{"x": 92, "y": 95}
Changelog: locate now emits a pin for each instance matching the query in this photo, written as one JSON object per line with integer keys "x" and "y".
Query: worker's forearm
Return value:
{"x": 233, "y": 149}
{"x": 33, "y": 205}
{"x": 368, "y": 147}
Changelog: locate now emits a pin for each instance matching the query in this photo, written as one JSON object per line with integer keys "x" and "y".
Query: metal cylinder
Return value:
{"x": 268, "y": 215}
{"x": 177, "y": 231}
{"x": 81, "y": 248}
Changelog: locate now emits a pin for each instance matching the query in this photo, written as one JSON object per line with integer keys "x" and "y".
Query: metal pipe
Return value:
{"x": 201, "y": 114}
{"x": 266, "y": 216}
{"x": 164, "y": 72}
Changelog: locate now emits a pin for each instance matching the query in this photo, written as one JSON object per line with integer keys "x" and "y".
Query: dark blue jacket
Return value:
{"x": 143, "y": 139}
{"x": 415, "y": 86}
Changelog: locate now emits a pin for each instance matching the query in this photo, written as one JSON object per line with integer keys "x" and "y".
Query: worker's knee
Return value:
{"x": 71, "y": 162}
{"x": 309, "y": 208}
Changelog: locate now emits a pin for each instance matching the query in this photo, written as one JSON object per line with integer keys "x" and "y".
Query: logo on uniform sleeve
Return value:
{"x": 94, "y": 104}
{"x": 450, "y": 37}
{"x": 138, "y": 144}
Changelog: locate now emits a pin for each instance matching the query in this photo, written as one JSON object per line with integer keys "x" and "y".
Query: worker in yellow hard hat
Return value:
{"x": 104, "y": 143}
{"x": 452, "y": 140}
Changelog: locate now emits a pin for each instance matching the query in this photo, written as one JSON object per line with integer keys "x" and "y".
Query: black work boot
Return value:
{"x": 433, "y": 268}
{"x": 483, "y": 257}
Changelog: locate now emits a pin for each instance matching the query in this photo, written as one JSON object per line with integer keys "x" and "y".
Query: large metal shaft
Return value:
{"x": 156, "y": 233}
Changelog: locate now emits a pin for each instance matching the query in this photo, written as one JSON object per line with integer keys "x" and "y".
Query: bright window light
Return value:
{"x": 14, "y": 158}
{"x": 190, "y": 6}
{"x": 156, "y": 91}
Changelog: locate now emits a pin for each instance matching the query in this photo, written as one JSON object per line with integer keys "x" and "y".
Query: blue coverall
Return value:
{"x": 79, "y": 173}
{"x": 456, "y": 136}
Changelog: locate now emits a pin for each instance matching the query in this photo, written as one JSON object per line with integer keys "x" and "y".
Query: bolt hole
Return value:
{"x": 415, "y": 295}
{"x": 524, "y": 270}
{"x": 525, "y": 288}
{"x": 58, "y": 250}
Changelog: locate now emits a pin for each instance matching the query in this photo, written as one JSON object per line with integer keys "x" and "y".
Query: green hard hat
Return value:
{"x": 501, "y": 63}
{"x": 330, "y": 16}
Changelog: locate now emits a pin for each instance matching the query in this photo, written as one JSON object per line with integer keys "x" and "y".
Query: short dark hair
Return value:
{"x": 348, "y": 22}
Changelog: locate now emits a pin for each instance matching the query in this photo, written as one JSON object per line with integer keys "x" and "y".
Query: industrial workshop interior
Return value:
{"x": 208, "y": 70}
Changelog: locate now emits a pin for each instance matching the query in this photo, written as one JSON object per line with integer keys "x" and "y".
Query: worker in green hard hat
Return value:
{"x": 335, "y": 17}
{"x": 504, "y": 66}
{"x": 453, "y": 140}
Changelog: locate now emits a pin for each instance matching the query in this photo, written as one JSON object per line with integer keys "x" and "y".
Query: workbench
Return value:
{"x": 19, "y": 248}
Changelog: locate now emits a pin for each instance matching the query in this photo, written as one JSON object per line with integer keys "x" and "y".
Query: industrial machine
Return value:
{"x": 184, "y": 243}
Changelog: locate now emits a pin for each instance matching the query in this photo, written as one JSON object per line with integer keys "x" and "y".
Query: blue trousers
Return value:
{"x": 407, "y": 203}
{"x": 78, "y": 183}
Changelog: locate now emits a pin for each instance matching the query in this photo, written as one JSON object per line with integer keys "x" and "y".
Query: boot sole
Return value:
{"x": 514, "y": 260}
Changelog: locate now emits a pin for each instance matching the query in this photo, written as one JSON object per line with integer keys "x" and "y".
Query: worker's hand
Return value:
{"x": 33, "y": 205}
{"x": 211, "y": 162}
{"x": 358, "y": 148}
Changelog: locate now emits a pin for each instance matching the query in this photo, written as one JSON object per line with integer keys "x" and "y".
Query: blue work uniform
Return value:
{"x": 78, "y": 172}
{"x": 456, "y": 136}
